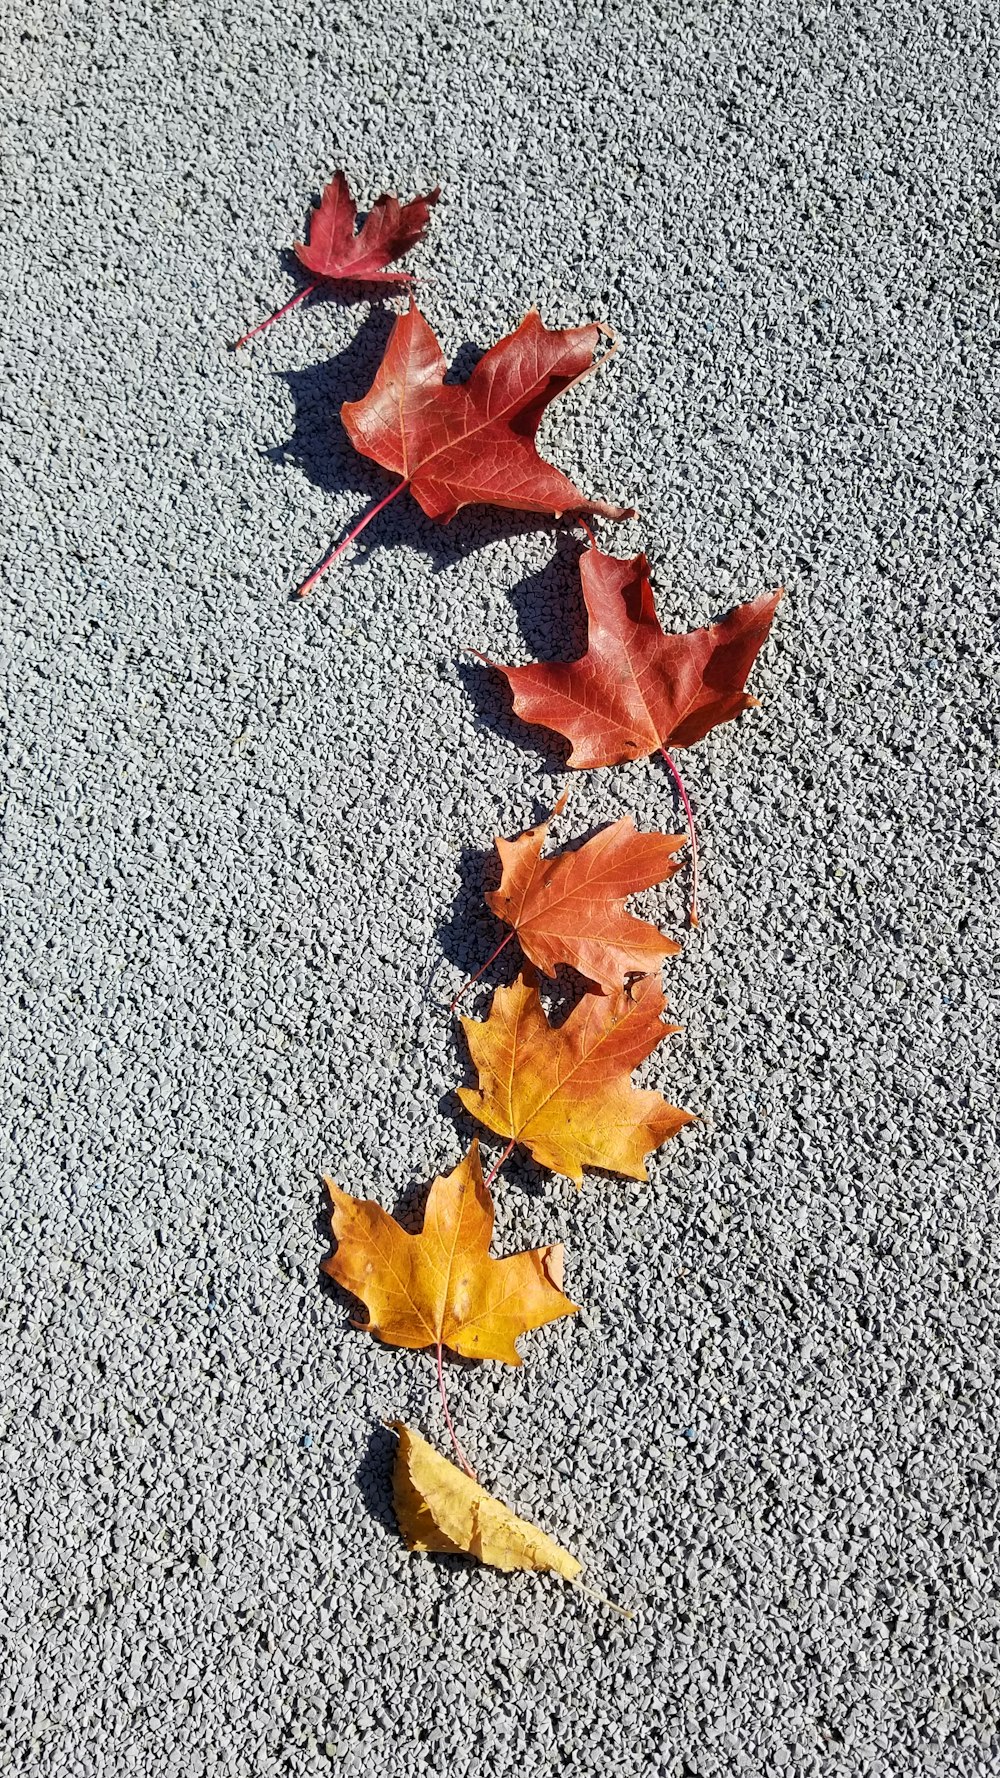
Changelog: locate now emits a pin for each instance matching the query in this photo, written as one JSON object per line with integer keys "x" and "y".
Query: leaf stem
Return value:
{"x": 460, "y": 1454}
{"x": 601, "y": 1600}
{"x": 497, "y": 1164}
{"x": 307, "y": 585}
{"x": 300, "y": 296}
{"x": 482, "y": 970}
{"x": 692, "y": 836}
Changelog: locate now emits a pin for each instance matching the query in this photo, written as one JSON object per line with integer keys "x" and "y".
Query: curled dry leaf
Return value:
{"x": 637, "y": 690}
{"x": 442, "y": 1287}
{"x": 441, "y": 1509}
{"x": 569, "y": 908}
{"x": 565, "y": 1092}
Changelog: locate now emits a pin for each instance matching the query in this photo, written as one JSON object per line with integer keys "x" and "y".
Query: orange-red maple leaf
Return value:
{"x": 637, "y": 690}
{"x": 569, "y": 908}
{"x": 458, "y": 444}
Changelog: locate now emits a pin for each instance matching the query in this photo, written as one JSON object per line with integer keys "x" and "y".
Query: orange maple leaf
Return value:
{"x": 565, "y": 1092}
{"x": 570, "y": 908}
{"x": 442, "y": 1287}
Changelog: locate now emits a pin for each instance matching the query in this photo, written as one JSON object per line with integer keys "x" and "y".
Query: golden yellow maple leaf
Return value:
{"x": 566, "y": 1092}
{"x": 442, "y": 1287}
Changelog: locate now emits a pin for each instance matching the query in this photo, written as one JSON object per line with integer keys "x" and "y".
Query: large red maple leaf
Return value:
{"x": 335, "y": 254}
{"x": 637, "y": 690}
{"x": 455, "y": 444}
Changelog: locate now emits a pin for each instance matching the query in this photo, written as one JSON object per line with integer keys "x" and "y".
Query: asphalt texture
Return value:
{"x": 246, "y": 842}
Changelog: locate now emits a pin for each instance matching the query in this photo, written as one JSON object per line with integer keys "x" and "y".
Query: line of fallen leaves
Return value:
{"x": 565, "y": 1093}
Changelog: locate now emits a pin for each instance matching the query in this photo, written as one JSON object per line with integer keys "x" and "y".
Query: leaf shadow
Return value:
{"x": 374, "y": 1476}
{"x": 470, "y": 931}
{"x": 490, "y": 697}
{"x": 318, "y": 446}
{"x": 548, "y": 604}
{"x": 552, "y": 622}
{"x": 464, "y": 362}
{"x": 328, "y": 1287}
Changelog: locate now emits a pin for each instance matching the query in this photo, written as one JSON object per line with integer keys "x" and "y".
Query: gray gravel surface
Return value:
{"x": 245, "y": 846}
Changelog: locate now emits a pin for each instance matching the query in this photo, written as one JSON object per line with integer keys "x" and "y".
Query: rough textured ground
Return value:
{"x": 246, "y": 843}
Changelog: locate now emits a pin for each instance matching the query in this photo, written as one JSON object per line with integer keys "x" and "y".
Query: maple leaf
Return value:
{"x": 389, "y": 230}
{"x": 440, "y": 1509}
{"x": 455, "y": 444}
{"x": 335, "y": 254}
{"x": 570, "y": 908}
{"x": 637, "y": 690}
{"x": 565, "y": 1092}
{"x": 442, "y": 1287}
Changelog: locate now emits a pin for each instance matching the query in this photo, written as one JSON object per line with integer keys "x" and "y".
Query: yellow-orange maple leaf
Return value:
{"x": 442, "y": 1287}
{"x": 565, "y": 1092}
{"x": 570, "y": 908}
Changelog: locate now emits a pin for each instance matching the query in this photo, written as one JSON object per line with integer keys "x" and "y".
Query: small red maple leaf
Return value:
{"x": 335, "y": 253}
{"x": 389, "y": 230}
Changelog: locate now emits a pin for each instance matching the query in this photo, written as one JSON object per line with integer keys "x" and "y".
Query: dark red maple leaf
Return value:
{"x": 637, "y": 690}
{"x": 336, "y": 254}
{"x": 389, "y": 230}
{"x": 455, "y": 444}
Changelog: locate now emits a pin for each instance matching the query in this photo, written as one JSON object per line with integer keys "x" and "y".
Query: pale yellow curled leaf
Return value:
{"x": 441, "y": 1509}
